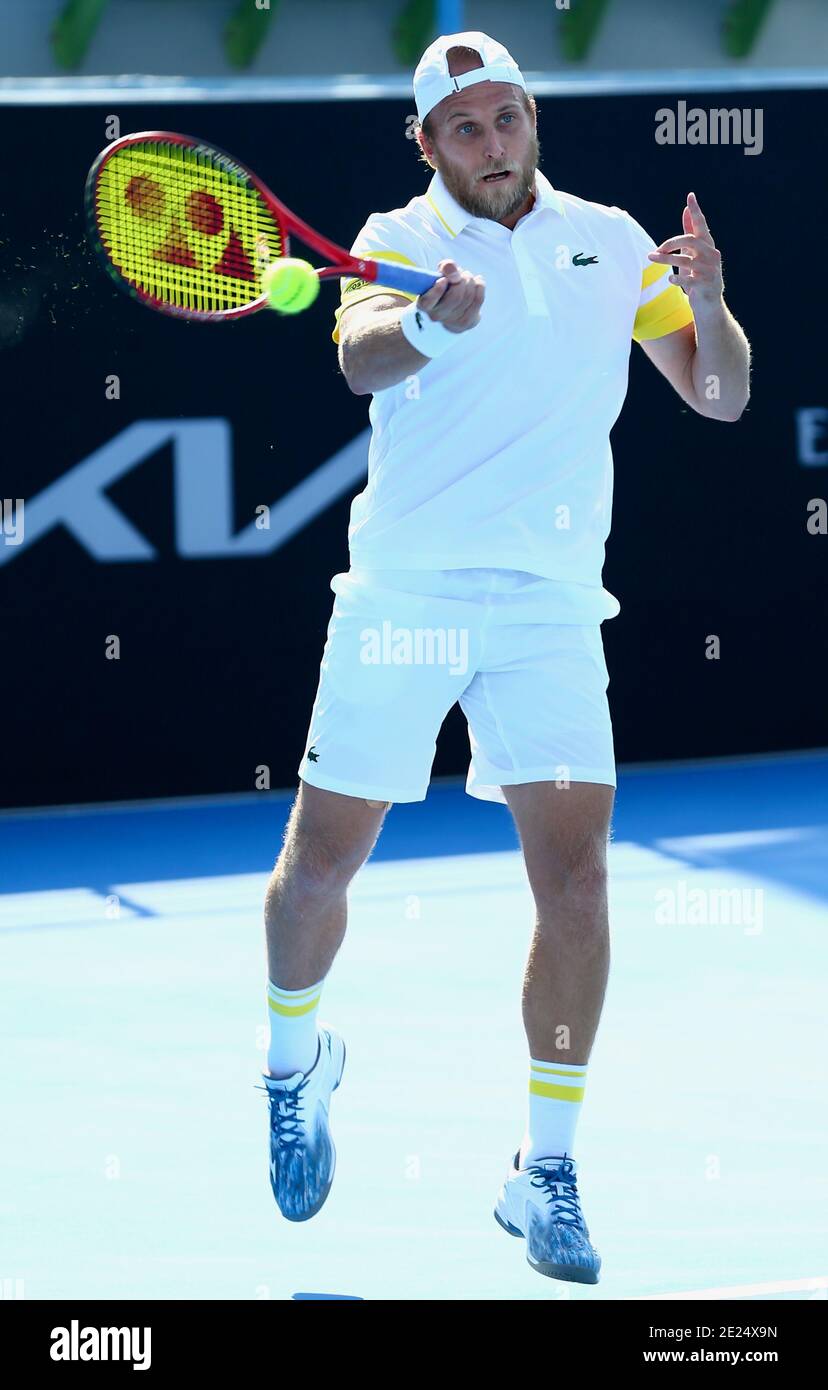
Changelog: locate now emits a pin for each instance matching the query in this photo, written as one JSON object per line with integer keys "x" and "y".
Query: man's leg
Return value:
{"x": 328, "y": 837}
{"x": 563, "y": 834}
{"x": 372, "y": 734}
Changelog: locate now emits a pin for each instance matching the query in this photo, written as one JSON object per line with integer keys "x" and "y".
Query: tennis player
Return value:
{"x": 482, "y": 526}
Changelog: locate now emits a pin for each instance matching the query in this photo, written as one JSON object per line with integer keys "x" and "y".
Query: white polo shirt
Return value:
{"x": 496, "y": 454}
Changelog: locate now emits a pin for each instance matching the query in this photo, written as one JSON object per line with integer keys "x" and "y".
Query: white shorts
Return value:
{"x": 404, "y": 646}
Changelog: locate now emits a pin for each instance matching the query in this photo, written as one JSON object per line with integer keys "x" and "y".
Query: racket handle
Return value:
{"x": 405, "y": 277}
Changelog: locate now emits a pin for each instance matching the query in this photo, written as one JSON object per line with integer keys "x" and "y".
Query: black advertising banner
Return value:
{"x": 186, "y": 487}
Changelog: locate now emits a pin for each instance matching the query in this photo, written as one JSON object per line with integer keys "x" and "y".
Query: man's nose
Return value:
{"x": 495, "y": 148}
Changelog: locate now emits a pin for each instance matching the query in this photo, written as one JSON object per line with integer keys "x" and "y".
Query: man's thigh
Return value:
{"x": 563, "y": 831}
{"x": 331, "y": 832}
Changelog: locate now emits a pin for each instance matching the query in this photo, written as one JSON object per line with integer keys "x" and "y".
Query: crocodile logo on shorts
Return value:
{"x": 313, "y": 756}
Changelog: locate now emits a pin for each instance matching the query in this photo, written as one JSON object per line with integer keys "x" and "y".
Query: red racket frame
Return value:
{"x": 342, "y": 262}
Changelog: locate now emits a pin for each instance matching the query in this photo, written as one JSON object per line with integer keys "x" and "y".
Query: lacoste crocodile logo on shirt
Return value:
{"x": 590, "y": 260}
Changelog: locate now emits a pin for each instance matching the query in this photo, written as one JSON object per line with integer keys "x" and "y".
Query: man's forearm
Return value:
{"x": 720, "y": 366}
{"x": 376, "y": 354}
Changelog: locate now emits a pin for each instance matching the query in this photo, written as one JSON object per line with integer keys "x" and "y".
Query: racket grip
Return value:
{"x": 405, "y": 277}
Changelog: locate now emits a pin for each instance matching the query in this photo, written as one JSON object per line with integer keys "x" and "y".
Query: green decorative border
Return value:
{"x": 74, "y": 30}
{"x": 413, "y": 31}
{"x": 742, "y": 23}
{"x": 246, "y": 31}
{"x": 579, "y": 26}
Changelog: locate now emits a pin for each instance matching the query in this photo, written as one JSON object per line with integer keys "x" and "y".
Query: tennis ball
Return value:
{"x": 290, "y": 285}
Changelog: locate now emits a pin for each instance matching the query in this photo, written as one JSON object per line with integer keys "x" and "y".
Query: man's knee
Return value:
{"x": 324, "y": 846}
{"x": 310, "y": 872}
{"x": 315, "y": 869}
{"x": 578, "y": 879}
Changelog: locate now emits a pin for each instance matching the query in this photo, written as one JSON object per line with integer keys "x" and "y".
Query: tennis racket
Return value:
{"x": 185, "y": 229}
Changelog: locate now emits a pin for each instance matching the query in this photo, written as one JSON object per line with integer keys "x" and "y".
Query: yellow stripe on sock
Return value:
{"x": 545, "y": 1088}
{"x": 293, "y": 1010}
{"x": 559, "y": 1071}
{"x": 275, "y": 991}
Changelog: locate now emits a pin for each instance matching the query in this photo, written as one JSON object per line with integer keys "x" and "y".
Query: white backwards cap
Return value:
{"x": 433, "y": 82}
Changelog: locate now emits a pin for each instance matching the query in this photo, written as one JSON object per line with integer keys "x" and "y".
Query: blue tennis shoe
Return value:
{"x": 541, "y": 1202}
{"x": 302, "y": 1153}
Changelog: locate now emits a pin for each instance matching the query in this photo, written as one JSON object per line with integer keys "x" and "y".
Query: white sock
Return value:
{"x": 293, "y": 1041}
{"x": 556, "y": 1091}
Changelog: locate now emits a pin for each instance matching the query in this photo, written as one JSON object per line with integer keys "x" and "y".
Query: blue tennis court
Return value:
{"x": 134, "y": 1029}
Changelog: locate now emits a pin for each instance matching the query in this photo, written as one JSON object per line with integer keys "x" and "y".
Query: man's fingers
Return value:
{"x": 675, "y": 258}
{"x": 461, "y": 295}
{"x": 479, "y": 290}
{"x": 476, "y": 303}
{"x": 699, "y": 219}
{"x": 471, "y": 314}
{"x": 450, "y": 274}
{"x": 455, "y": 299}
{"x": 687, "y": 239}
{"x": 673, "y": 243}
{"x": 431, "y": 296}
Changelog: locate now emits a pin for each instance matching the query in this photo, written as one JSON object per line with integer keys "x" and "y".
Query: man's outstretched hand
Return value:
{"x": 695, "y": 253}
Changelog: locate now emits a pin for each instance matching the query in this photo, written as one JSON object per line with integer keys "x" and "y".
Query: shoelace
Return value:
{"x": 568, "y": 1210}
{"x": 284, "y": 1112}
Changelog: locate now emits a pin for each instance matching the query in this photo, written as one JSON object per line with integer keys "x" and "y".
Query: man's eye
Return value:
{"x": 467, "y": 126}
{"x": 507, "y": 116}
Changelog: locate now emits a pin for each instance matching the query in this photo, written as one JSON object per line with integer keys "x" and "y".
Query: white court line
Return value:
{"x": 742, "y": 1290}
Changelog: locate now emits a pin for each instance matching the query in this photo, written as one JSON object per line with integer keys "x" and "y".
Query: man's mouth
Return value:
{"x": 497, "y": 178}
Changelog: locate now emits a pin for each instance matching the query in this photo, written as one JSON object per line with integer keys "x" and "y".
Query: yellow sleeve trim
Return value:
{"x": 354, "y": 290}
{"x": 652, "y": 273}
{"x": 664, "y": 314}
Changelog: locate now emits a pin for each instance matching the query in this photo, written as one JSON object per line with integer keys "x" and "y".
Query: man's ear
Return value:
{"x": 428, "y": 150}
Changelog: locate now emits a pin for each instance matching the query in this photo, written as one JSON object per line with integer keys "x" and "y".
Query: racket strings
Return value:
{"x": 183, "y": 229}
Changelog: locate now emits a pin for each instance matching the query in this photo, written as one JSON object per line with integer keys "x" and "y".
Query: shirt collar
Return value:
{"x": 454, "y": 217}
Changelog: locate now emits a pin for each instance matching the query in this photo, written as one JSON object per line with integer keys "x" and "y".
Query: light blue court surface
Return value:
{"x": 134, "y": 1161}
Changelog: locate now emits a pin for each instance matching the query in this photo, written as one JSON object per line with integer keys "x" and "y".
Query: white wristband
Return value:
{"x": 424, "y": 334}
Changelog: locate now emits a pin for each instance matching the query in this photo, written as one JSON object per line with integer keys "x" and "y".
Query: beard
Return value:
{"x": 494, "y": 200}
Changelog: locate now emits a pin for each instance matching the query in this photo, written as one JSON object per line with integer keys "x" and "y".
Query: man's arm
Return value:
{"x": 373, "y": 351}
{"x": 708, "y": 365}
{"x": 372, "y": 346}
